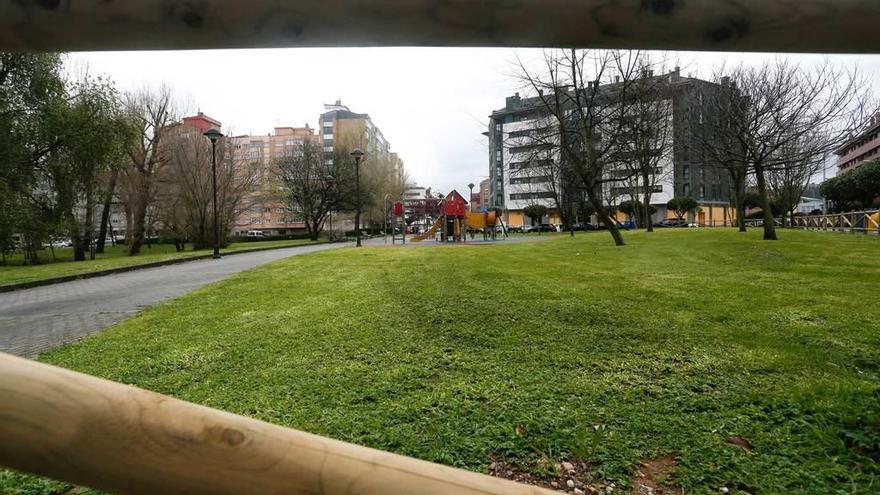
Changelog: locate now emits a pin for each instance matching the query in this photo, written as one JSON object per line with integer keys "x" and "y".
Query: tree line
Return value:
{"x": 72, "y": 146}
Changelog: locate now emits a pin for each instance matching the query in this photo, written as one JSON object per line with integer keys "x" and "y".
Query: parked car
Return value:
{"x": 629, "y": 224}
{"x": 60, "y": 243}
{"x": 673, "y": 222}
{"x": 255, "y": 234}
{"x": 515, "y": 230}
{"x": 544, "y": 227}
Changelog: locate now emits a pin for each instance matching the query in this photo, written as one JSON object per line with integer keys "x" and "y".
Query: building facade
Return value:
{"x": 684, "y": 170}
{"x": 265, "y": 209}
{"x": 342, "y": 127}
{"x": 861, "y": 149}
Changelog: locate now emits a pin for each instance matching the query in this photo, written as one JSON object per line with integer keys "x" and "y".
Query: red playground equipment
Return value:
{"x": 455, "y": 220}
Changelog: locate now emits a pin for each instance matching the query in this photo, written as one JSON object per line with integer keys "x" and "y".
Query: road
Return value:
{"x": 42, "y": 318}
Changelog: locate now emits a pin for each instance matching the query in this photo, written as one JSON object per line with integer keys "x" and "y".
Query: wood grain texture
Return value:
{"x": 97, "y": 433}
{"x": 741, "y": 25}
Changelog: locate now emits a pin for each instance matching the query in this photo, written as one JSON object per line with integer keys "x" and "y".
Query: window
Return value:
{"x": 530, "y": 180}
{"x": 686, "y": 173}
{"x": 686, "y": 189}
{"x": 702, "y": 191}
{"x": 530, "y": 164}
{"x": 536, "y": 195}
{"x": 530, "y": 148}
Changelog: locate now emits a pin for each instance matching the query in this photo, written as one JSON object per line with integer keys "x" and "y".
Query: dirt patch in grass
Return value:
{"x": 740, "y": 442}
{"x": 653, "y": 477}
{"x": 564, "y": 476}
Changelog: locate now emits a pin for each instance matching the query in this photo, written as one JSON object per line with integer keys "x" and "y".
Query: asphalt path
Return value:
{"x": 42, "y": 318}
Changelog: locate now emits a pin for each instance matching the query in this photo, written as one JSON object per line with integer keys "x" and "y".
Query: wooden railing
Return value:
{"x": 865, "y": 222}
{"x": 824, "y": 26}
{"x": 97, "y": 433}
{"x": 857, "y": 222}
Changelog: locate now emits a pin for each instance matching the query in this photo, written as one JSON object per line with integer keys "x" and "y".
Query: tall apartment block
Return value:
{"x": 265, "y": 210}
{"x": 687, "y": 171}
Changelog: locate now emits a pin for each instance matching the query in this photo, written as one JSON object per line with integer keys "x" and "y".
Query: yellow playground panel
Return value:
{"x": 480, "y": 220}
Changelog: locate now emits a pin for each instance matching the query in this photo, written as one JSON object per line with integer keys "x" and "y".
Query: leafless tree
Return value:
{"x": 587, "y": 115}
{"x": 314, "y": 185}
{"x": 185, "y": 190}
{"x": 153, "y": 113}
{"x": 540, "y": 168}
{"x": 647, "y": 144}
{"x": 788, "y": 181}
{"x": 783, "y": 114}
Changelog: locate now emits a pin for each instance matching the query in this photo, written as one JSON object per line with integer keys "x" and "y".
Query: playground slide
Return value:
{"x": 431, "y": 232}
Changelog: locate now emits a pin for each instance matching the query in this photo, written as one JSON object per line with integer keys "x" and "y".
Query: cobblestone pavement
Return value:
{"x": 42, "y": 318}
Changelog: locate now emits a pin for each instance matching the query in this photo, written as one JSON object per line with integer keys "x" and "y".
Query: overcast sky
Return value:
{"x": 432, "y": 104}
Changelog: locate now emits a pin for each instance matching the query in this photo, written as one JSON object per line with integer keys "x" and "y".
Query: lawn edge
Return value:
{"x": 143, "y": 266}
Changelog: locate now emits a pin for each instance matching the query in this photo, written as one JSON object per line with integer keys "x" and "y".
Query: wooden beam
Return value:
{"x": 92, "y": 432}
{"x": 739, "y": 25}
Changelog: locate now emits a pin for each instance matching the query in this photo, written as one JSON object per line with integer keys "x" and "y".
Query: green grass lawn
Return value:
{"x": 114, "y": 257}
{"x": 531, "y": 354}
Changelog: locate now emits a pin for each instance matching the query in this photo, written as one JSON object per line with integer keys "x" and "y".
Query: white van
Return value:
{"x": 255, "y": 234}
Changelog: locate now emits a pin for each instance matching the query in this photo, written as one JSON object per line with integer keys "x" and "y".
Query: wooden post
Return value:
{"x": 92, "y": 432}
{"x": 822, "y": 26}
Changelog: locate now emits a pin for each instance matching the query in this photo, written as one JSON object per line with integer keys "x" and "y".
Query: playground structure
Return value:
{"x": 454, "y": 219}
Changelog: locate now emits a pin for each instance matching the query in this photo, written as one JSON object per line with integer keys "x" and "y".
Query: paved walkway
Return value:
{"x": 36, "y": 320}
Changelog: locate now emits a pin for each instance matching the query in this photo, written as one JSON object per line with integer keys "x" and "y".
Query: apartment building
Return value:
{"x": 685, "y": 171}
{"x": 861, "y": 149}
{"x": 343, "y": 130}
{"x": 342, "y": 127}
{"x": 265, "y": 209}
{"x": 484, "y": 192}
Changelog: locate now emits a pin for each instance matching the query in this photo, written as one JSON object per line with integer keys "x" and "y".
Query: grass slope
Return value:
{"x": 533, "y": 353}
{"x": 114, "y": 257}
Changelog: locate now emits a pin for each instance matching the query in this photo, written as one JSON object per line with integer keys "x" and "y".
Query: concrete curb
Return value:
{"x": 124, "y": 269}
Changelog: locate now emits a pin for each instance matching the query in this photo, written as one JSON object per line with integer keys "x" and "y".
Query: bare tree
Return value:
{"x": 788, "y": 181}
{"x": 782, "y": 114}
{"x": 315, "y": 185}
{"x": 587, "y": 116}
{"x": 152, "y": 112}
{"x": 185, "y": 192}
{"x": 647, "y": 144}
{"x": 540, "y": 169}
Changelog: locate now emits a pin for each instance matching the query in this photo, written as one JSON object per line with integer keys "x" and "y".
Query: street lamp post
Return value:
{"x": 471, "y": 198}
{"x": 385, "y": 222}
{"x": 330, "y": 184}
{"x": 214, "y": 135}
{"x": 358, "y": 156}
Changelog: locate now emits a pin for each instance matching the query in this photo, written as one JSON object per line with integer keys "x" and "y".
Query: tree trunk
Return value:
{"x": 76, "y": 236}
{"x": 769, "y": 223}
{"x": 105, "y": 212}
{"x": 138, "y": 228}
{"x": 603, "y": 216}
{"x": 88, "y": 227}
{"x": 646, "y": 195}
{"x": 313, "y": 229}
{"x": 738, "y": 201}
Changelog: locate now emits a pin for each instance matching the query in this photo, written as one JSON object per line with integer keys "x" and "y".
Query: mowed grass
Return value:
{"x": 114, "y": 257}
{"x": 569, "y": 349}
